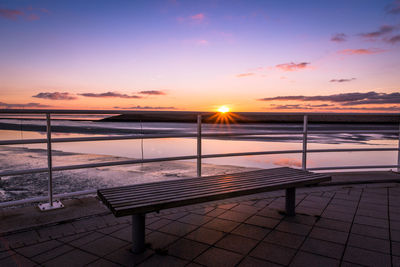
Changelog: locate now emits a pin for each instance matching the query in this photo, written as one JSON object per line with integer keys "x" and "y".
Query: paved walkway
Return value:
{"x": 335, "y": 226}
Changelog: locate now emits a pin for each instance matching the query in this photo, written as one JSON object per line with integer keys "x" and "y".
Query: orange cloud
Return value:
{"x": 152, "y": 92}
{"x": 241, "y": 75}
{"x": 110, "y": 94}
{"x": 361, "y": 51}
{"x": 287, "y": 162}
{"x": 293, "y": 66}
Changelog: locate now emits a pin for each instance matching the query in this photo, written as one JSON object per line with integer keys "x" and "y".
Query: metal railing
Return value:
{"x": 198, "y": 157}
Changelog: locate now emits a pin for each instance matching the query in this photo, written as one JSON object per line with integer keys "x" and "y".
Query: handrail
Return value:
{"x": 305, "y": 133}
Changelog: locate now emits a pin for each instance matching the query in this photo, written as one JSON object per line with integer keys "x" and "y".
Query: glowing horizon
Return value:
{"x": 251, "y": 56}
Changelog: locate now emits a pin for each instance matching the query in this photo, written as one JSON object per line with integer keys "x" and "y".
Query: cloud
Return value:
{"x": 241, "y": 75}
{"x": 393, "y": 39}
{"x": 33, "y": 17}
{"x": 298, "y": 106}
{"x": 383, "y": 30}
{"x": 292, "y": 66}
{"x": 56, "y": 96}
{"x": 10, "y": 13}
{"x": 198, "y": 17}
{"x": 110, "y": 94}
{"x": 334, "y": 108}
{"x": 339, "y": 37}
{"x": 26, "y": 105}
{"x": 361, "y": 51}
{"x": 342, "y": 80}
{"x": 145, "y": 107}
{"x": 393, "y": 8}
{"x": 152, "y": 92}
{"x": 346, "y": 99}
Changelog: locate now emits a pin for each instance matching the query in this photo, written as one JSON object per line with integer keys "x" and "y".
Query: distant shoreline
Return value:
{"x": 248, "y": 117}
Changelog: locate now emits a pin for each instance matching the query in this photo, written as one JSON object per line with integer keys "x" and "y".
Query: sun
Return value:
{"x": 223, "y": 109}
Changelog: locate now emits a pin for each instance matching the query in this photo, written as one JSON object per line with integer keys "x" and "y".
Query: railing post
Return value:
{"x": 52, "y": 204}
{"x": 304, "y": 159}
{"x": 199, "y": 145}
{"x": 398, "y": 154}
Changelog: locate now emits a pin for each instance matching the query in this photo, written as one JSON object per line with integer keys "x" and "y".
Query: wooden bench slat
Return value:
{"x": 197, "y": 179}
{"x": 126, "y": 198}
{"x": 201, "y": 181}
{"x": 211, "y": 196}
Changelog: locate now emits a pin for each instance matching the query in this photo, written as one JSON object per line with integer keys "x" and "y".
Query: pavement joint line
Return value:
{"x": 308, "y": 235}
{"x": 351, "y": 227}
{"x": 390, "y": 232}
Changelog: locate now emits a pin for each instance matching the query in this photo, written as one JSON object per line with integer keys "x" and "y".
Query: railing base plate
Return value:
{"x": 46, "y": 206}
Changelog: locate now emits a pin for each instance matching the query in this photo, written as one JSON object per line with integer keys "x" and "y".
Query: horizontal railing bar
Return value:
{"x": 44, "y": 198}
{"x": 351, "y": 167}
{"x": 126, "y": 162}
{"x": 156, "y": 136}
{"x": 76, "y": 111}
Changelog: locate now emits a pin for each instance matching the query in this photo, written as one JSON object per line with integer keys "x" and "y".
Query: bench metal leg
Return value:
{"x": 138, "y": 233}
{"x": 291, "y": 201}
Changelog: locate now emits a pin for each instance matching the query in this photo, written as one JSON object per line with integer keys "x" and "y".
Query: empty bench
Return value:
{"x": 137, "y": 200}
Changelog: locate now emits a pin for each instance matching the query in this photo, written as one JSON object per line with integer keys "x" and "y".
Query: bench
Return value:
{"x": 137, "y": 200}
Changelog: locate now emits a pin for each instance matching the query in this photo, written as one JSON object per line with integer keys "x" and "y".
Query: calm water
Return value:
{"x": 187, "y": 146}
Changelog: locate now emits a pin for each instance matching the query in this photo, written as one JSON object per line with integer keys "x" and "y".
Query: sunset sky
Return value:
{"x": 341, "y": 55}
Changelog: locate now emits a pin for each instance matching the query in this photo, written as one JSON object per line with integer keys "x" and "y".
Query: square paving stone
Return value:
{"x": 195, "y": 219}
{"x": 340, "y": 216}
{"x": 245, "y": 209}
{"x": 396, "y": 248}
{"x": 227, "y": 206}
{"x": 284, "y": 239}
{"x": 324, "y": 248}
{"x": 102, "y": 263}
{"x": 85, "y": 239}
{"x": 125, "y": 257}
{"x": 163, "y": 260}
{"x": 269, "y": 212}
{"x": 104, "y": 245}
{"x": 329, "y": 235}
{"x": 395, "y": 235}
{"x": 216, "y": 212}
{"x": 51, "y": 254}
{"x": 158, "y": 224}
{"x": 57, "y": 231}
{"x": 205, "y": 235}
{"x": 369, "y": 243}
{"x": 22, "y": 239}
{"x": 234, "y": 216}
{"x": 75, "y": 257}
{"x": 236, "y": 243}
{"x": 124, "y": 234}
{"x": 175, "y": 216}
{"x": 160, "y": 240}
{"x": 253, "y": 262}
{"x": 371, "y": 221}
{"x": 381, "y": 214}
{"x": 370, "y": 231}
{"x": 366, "y": 257}
{"x": 262, "y": 221}
{"x": 273, "y": 253}
{"x": 396, "y": 261}
{"x": 301, "y": 218}
{"x": 219, "y": 258}
{"x": 308, "y": 259}
{"x": 294, "y": 228}
{"x": 17, "y": 261}
{"x": 251, "y": 231}
{"x": 333, "y": 224}
{"x": 6, "y": 253}
{"x": 177, "y": 228}
{"x": 186, "y": 249}
{"x": 33, "y": 250}
{"x": 221, "y": 225}
{"x": 203, "y": 210}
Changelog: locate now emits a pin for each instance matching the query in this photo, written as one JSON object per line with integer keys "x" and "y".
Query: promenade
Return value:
{"x": 339, "y": 224}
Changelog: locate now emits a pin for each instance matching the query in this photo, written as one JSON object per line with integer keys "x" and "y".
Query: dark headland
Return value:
{"x": 253, "y": 117}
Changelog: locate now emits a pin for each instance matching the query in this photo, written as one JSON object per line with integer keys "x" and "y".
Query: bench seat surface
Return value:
{"x": 149, "y": 197}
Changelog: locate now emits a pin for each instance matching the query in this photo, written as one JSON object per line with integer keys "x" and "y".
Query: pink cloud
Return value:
{"x": 198, "y": 17}
{"x": 292, "y": 66}
{"x": 152, "y": 92}
{"x": 241, "y": 75}
{"x": 10, "y": 13}
{"x": 361, "y": 51}
{"x": 56, "y": 96}
{"x": 33, "y": 17}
